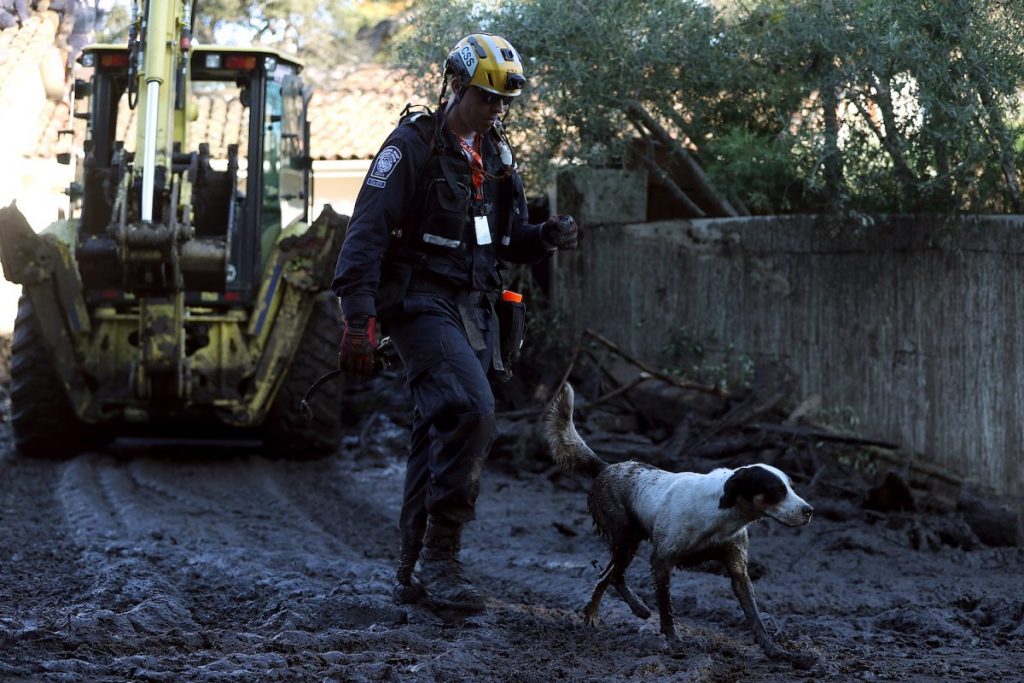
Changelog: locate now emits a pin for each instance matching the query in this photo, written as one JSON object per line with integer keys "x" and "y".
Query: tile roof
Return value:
{"x": 348, "y": 120}
{"x": 27, "y": 51}
{"x": 352, "y": 118}
{"x": 24, "y": 44}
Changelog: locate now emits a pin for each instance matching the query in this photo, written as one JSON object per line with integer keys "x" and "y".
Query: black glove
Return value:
{"x": 357, "y": 347}
{"x": 560, "y": 231}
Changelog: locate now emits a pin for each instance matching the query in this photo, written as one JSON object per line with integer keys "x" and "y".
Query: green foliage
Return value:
{"x": 791, "y": 105}
{"x": 765, "y": 167}
{"x": 324, "y": 33}
{"x": 707, "y": 360}
{"x": 582, "y": 60}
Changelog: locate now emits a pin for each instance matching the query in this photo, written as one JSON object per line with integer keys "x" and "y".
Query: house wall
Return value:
{"x": 916, "y": 326}
{"x": 337, "y": 183}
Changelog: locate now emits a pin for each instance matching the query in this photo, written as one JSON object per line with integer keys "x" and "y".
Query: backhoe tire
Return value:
{"x": 287, "y": 432}
{"x": 45, "y": 424}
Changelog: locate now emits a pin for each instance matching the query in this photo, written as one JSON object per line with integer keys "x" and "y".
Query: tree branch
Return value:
{"x": 999, "y": 139}
{"x": 892, "y": 140}
{"x": 904, "y": 175}
{"x": 833, "y": 157}
{"x": 669, "y": 379}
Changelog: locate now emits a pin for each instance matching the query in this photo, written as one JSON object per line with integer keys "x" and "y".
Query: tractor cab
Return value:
{"x": 246, "y": 182}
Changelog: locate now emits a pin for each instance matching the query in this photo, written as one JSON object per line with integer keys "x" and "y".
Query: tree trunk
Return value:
{"x": 636, "y": 112}
{"x": 999, "y": 139}
{"x": 834, "y": 185}
{"x": 662, "y": 176}
{"x": 889, "y": 136}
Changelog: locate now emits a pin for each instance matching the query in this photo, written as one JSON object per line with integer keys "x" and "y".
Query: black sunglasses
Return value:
{"x": 492, "y": 98}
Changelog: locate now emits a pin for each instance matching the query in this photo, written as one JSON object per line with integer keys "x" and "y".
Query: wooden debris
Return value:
{"x": 681, "y": 383}
{"x": 650, "y": 128}
{"x": 891, "y": 495}
{"x": 818, "y": 434}
{"x": 772, "y": 385}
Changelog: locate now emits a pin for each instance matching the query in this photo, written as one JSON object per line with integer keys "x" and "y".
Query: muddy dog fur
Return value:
{"x": 689, "y": 518}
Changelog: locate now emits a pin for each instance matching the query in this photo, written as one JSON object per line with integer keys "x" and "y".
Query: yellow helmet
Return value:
{"x": 489, "y": 62}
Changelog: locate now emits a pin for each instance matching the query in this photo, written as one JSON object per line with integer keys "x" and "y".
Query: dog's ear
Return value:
{"x": 732, "y": 489}
{"x": 752, "y": 481}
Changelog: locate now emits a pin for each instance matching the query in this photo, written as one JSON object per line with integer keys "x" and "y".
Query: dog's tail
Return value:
{"x": 566, "y": 446}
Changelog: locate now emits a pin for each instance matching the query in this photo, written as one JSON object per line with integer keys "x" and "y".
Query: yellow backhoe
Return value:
{"x": 188, "y": 292}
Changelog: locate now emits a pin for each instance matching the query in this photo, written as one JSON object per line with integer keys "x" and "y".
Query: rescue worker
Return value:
{"x": 439, "y": 211}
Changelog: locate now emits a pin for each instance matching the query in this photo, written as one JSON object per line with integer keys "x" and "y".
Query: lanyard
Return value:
{"x": 476, "y": 164}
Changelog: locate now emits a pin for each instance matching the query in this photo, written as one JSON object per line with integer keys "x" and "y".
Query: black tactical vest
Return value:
{"x": 437, "y": 239}
{"x": 445, "y": 209}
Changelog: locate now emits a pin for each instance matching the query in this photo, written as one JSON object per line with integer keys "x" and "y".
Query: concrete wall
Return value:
{"x": 916, "y": 326}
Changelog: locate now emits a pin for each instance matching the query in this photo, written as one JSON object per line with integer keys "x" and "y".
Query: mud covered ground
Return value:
{"x": 191, "y": 562}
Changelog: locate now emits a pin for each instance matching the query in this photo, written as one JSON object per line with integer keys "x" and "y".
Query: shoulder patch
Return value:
{"x": 386, "y": 161}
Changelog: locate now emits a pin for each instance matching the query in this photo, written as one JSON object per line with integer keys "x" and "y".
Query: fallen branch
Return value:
{"x": 668, "y": 379}
{"x": 896, "y": 456}
{"x": 568, "y": 369}
{"x": 604, "y": 398}
{"x": 817, "y": 434}
{"x": 723, "y": 447}
{"x": 615, "y": 393}
{"x": 770, "y": 390}
{"x": 611, "y": 378}
{"x": 534, "y": 412}
{"x": 520, "y": 414}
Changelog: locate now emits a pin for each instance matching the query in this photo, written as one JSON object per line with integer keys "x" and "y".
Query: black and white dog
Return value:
{"x": 689, "y": 518}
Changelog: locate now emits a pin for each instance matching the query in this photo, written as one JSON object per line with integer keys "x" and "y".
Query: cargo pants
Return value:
{"x": 453, "y": 421}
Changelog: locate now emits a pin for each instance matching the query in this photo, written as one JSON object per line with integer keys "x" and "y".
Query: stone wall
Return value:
{"x": 915, "y": 325}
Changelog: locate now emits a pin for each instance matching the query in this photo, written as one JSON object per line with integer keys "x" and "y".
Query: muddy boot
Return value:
{"x": 441, "y": 571}
{"x": 407, "y": 590}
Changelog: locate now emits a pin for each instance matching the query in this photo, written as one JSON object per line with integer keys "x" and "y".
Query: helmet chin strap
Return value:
{"x": 438, "y": 142}
{"x": 457, "y": 96}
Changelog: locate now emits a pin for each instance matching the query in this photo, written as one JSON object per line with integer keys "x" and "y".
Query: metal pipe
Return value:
{"x": 203, "y": 255}
{"x": 155, "y": 69}
{"x": 149, "y": 157}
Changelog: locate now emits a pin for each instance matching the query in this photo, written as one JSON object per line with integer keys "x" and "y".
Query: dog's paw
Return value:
{"x": 589, "y": 618}
{"x": 687, "y": 642}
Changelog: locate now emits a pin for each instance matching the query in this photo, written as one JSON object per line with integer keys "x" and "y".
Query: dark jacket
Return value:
{"x": 404, "y": 196}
